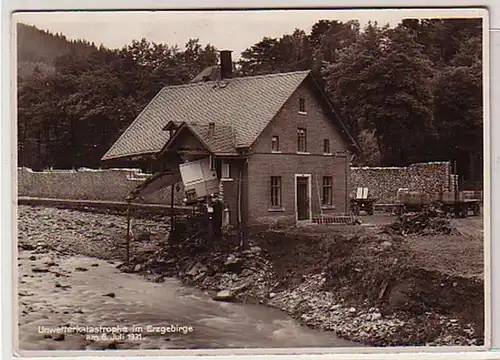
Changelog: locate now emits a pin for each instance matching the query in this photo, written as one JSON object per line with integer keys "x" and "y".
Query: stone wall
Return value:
{"x": 88, "y": 184}
{"x": 115, "y": 184}
{"x": 384, "y": 182}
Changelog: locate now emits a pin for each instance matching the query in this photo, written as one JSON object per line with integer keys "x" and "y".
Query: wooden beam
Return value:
{"x": 193, "y": 152}
{"x": 128, "y": 231}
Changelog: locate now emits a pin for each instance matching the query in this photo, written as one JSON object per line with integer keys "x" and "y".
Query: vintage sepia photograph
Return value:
{"x": 257, "y": 179}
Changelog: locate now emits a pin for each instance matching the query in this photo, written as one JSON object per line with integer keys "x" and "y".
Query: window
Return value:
{"x": 327, "y": 199}
{"x": 276, "y": 191}
{"x": 275, "y": 143}
{"x": 326, "y": 146}
{"x": 302, "y": 105}
{"x": 211, "y": 161}
{"x": 225, "y": 171}
{"x": 301, "y": 140}
{"x": 225, "y": 217}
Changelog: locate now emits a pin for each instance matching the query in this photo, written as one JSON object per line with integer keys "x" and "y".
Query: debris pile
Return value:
{"x": 324, "y": 310}
{"x": 363, "y": 286}
{"x": 427, "y": 222}
{"x": 222, "y": 267}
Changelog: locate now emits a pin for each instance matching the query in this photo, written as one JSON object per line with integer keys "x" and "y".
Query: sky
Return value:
{"x": 236, "y": 30}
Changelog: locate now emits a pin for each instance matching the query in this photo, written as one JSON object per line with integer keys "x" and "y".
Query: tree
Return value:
{"x": 383, "y": 82}
{"x": 147, "y": 66}
{"x": 299, "y": 51}
{"x": 368, "y": 144}
{"x": 351, "y": 71}
{"x": 469, "y": 53}
{"x": 329, "y": 37}
{"x": 71, "y": 116}
{"x": 261, "y": 58}
{"x": 443, "y": 38}
{"x": 459, "y": 110}
{"x": 295, "y": 51}
{"x": 35, "y": 103}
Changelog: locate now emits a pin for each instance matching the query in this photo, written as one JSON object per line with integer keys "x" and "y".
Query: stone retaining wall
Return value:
{"x": 115, "y": 184}
{"x": 384, "y": 182}
{"x": 88, "y": 184}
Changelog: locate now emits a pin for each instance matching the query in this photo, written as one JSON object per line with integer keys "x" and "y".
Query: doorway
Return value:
{"x": 303, "y": 197}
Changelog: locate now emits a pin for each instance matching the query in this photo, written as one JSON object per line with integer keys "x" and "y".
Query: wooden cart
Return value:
{"x": 458, "y": 203}
{"x": 362, "y": 202}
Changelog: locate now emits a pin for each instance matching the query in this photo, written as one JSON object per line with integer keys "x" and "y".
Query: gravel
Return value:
{"x": 90, "y": 234}
{"x": 248, "y": 276}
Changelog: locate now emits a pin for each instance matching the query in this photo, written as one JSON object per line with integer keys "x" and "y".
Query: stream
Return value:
{"x": 73, "y": 291}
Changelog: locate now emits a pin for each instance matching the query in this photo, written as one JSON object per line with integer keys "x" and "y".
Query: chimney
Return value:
{"x": 226, "y": 64}
{"x": 211, "y": 128}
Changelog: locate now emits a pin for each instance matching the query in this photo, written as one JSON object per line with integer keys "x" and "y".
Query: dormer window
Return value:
{"x": 302, "y": 105}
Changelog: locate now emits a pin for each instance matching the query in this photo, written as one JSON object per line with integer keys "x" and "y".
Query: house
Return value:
{"x": 274, "y": 143}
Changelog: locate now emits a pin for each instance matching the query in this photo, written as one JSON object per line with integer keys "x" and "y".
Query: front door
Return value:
{"x": 302, "y": 198}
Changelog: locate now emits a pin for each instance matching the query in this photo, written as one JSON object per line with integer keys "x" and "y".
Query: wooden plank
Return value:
{"x": 365, "y": 193}
{"x": 359, "y": 193}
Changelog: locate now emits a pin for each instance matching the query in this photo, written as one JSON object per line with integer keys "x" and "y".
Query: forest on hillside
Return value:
{"x": 409, "y": 93}
{"x": 38, "y": 49}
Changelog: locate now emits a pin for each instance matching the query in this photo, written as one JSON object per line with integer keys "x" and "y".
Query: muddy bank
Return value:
{"x": 359, "y": 283}
{"x": 386, "y": 299}
{"x": 61, "y": 295}
{"x": 364, "y": 287}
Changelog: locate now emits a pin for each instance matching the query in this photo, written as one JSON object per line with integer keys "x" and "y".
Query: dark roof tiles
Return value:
{"x": 219, "y": 141}
{"x": 246, "y": 104}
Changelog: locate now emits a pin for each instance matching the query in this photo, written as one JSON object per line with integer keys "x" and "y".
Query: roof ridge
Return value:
{"x": 234, "y": 79}
{"x": 272, "y": 75}
{"x": 207, "y": 124}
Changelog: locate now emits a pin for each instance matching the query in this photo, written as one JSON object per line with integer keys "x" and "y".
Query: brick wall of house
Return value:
{"x": 263, "y": 163}
{"x": 263, "y": 166}
{"x": 245, "y": 206}
{"x": 230, "y": 189}
{"x": 318, "y": 124}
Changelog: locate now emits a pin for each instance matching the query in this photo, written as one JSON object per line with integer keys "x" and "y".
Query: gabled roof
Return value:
{"x": 219, "y": 140}
{"x": 210, "y": 73}
{"x": 246, "y": 104}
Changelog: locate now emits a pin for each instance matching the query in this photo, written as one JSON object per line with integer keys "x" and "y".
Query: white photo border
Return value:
{"x": 491, "y": 35}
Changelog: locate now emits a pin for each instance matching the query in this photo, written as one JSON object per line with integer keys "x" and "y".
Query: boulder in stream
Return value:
{"x": 224, "y": 295}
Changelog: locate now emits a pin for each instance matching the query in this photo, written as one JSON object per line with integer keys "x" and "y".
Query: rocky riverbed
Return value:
{"x": 85, "y": 233}
{"x": 332, "y": 285}
{"x": 316, "y": 291}
{"x": 63, "y": 297}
